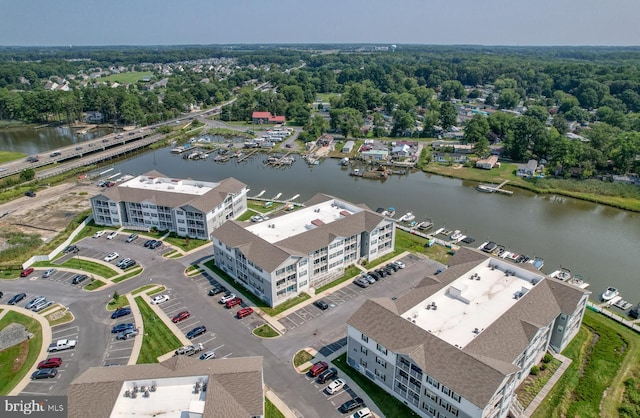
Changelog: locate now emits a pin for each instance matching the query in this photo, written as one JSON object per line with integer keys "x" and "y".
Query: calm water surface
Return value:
{"x": 599, "y": 242}
{"x": 33, "y": 141}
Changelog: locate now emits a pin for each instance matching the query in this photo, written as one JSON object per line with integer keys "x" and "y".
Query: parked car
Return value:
{"x": 26, "y": 272}
{"x": 159, "y": 299}
{"x": 400, "y": 264}
{"x": 148, "y": 242}
{"x": 79, "y": 278}
{"x": 155, "y": 245}
{"x": 131, "y": 237}
{"x": 362, "y": 413}
{"x": 180, "y": 316}
{"x": 126, "y": 334}
{"x": 121, "y": 327}
{"x": 122, "y": 262}
{"x": 382, "y": 272}
{"x": 244, "y": 312}
{"x": 318, "y": 368}
{"x": 112, "y": 235}
{"x": 197, "y": 331}
{"x": 216, "y": 290}
{"x": 121, "y": 312}
{"x": 393, "y": 266}
{"x": 34, "y": 302}
{"x": 71, "y": 249}
{"x": 327, "y": 375}
{"x": 208, "y": 355}
{"x": 375, "y": 275}
{"x": 40, "y": 306}
{"x": 321, "y": 304}
{"x": 99, "y": 234}
{"x": 48, "y": 273}
{"x": 335, "y": 386}
{"x": 30, "y": 193}
{"x": 227, "y": 297}
{"x": 128, "y": 264}
{"x": 362, "y": 282}
{"x": 50, "y": 363}
{"x": 17, "y": 298}
{"x": 389, "y": 270}
{"x": 44, "y": 374}
{"x": 369, "y": 278}
{"x": 351, "y": 405}
{"x": 189, "y": 350}
{"x": 233, "y": 302}
{"x": 111, "y": 256}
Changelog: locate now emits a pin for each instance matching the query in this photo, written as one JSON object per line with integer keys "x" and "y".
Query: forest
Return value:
{"x": 578, "y": 108}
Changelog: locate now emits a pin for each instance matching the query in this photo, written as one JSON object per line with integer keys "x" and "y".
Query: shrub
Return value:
{"x": 547, "y": 358}
{"x": 535, "y": 370}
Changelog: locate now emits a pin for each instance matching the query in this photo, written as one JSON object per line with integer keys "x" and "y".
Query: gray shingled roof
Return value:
{"x": 173, "y": 199}
{"x": 235, "y": 386}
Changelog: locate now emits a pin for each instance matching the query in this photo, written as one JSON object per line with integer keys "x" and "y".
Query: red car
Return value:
{"x": 26, "y": 272}
{"x": 50, "y": 363}
{"x": 244, "y": 312}
{"x": 180, "y": 316}
{"x": 233, "y": 302}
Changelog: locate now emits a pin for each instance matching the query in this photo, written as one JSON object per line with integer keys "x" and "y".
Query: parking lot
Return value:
{"x": 66, "y": 372}
{"x": 118, "y": 352}
{"x": 336, "y": 399}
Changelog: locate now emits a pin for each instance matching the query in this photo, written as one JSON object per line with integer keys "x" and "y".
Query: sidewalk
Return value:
{"x": 46, "y": 340}
{"x": 137, "y": 318}
{"x": 277, "y": 402}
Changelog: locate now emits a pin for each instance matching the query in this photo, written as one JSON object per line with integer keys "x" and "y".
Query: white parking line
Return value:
{"x": 75, "y": 335}
{"x": 209, "y": 340}
{"x": 340, "y": 392}
{"x": 117, "y": 358}
{"x": 120, "y": 349}
{"x": 64, "y": 329}
{"x": 33, "y": 393}
{"x": 227, "y": 355}
{"x": 217, "y": 348}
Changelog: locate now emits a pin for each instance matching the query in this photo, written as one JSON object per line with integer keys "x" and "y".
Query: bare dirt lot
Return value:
{"x": 49, "y": 212}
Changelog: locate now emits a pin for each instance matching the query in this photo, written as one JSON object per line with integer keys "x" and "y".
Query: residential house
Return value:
{"x": 463, "y": 148}
{"x": 348, "y": 147}
{"x": 487, "y": 163}
{"x": 442, "y": 157}
{"x": 307, "y": 248}
{"x": 528, "y": 169}
{"x": 403, "y": 150}
{"x": 375, "y": 154}
{"x": 461, "y": 342}
{"x": 267, "y": 117}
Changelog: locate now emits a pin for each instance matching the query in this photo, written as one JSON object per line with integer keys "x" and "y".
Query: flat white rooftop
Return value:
{"x": 302, "y": 220}
{"x": 462, "y": 310}
{"x": 173, "y": 398}
{"x": 164, "y": 184}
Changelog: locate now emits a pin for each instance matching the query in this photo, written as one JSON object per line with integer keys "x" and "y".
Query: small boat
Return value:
{"x": 344, "y": 161}
{"x": 289, "y": 206}
{"x": 610, "y": 293}
{"x": 391, "y": 212}
{"x": 407, "y": 217}
{"x": 456, "y": 235}
{"x": 268, "y": 204}
{"x": 485, "y": 189}
{"x": 425, "y": 225}
{"x": 489, "y": 247}
{"x": 537, "y": 262}
{"x": 563, "y": 274}
{"x": 623, "y": 304}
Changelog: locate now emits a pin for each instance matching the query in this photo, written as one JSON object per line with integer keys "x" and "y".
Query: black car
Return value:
{"x": 389, "y": 270}
{"x": 216, "y": 290}
{"x": 327, "y": 375}
{"x": 17, "y": 298}
{"x": 375, "y": 275}
{"x": 321, "y": 304}
{"x": 197, "y": 331}
{"x": 148, "y": 242}
{"x": 382, "y": 273}
{"x": 128, "y": 264}
{"x": 30, "y": 193}
{"x": 351, "y": 404}
{"x": 44, "y": 374}
{"x": 121, "y": 312}
{"x": 155, "y": 244}
{"x": 392, "y": 266}
{"x": 79, "y": 278}
{"x": 122, "y": 327}
{"x": 71, "y": 249}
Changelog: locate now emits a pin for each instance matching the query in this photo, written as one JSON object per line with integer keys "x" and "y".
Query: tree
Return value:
{"x": 560, "y": 123}
{"x": 477, "y": 128}
{"x": 402, "y": 122}
{"x": 448, "y": 115}
{"x": 500, "y": 122}
{"x": 481, "y": 147}
{"x": 526, "y": 133}
{"x": 378, "y": 125}
{"x": 538, "y": 112}
{"x": 450, "y": 89}
{"x": 508, "y": 99}
{"x": 347, "y": 120}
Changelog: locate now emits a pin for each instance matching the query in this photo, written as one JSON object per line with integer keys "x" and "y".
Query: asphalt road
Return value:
{"x": 230, "y": 337}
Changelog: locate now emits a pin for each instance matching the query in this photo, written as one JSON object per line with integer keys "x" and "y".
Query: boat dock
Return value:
{"x": 494, "y": 189}
{"x": 244, "y": 157}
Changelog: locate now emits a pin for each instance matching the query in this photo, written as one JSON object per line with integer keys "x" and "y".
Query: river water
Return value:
{"x": 31, "y": 141}
{"x": 599, "y": 242}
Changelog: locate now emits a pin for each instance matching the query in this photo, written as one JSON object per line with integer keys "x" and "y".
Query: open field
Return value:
{"x": 126, "y": 78}
{"x": 7, "y": 156}
{"x": 17, "y": 360}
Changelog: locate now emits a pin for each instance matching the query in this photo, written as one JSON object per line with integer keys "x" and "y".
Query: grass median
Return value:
{"x": 157, "y": 339}
{"x": 90, "y": 267}
{"x": 265, "y": 331}
{"x": 18, "y": 359}
{"x": 95, "y": 284}
{"x": 135, "y": 272}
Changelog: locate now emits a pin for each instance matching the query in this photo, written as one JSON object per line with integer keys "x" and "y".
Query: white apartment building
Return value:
{"x": 460, "y": 343}
{"x": 190, "y": 208}
{"x": 279, "y": 258}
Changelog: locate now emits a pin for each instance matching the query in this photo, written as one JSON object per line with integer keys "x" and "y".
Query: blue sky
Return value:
{"x": 161, "y": 22}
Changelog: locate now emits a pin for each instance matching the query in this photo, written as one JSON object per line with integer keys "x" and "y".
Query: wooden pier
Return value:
{"x": 489, "y": 188}
{"x": 244, "y": 157}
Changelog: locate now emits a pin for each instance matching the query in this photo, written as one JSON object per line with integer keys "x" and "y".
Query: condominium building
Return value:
{"x": 176, "y": 388}
{"x": 460, "y": 343}
{"x": 283, "y": 256}
{"x": 190, "y": 208}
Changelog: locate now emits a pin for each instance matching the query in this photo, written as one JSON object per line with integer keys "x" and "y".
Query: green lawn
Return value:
{"x": 10, "y": 274}
{"x": 349, "y": 273}
{"x": 604, "y": 354}
{"x": 17, "y": 360}
{"x": 246, "y": 215}
{"x": 95, "y": 284}
{"x": 390, "y": 406}
{"x": 90, "y": 267}
{"x": 157, "y": 339}
{"x": 186, "y": 244}
{"x": 121, "y": 302}
{"x": 8, "y": 156}
{"x": 156, "y": 291}
{"x": 142, "y": 289}
{"x": 67, "y": 317}
{"x": 253, "y": 298}
{"x": 258, "y": 206}
{"x": 301, "y": 358}
{"x": 125, "y": 78}
{"x": 415, "y": 244}
{"x": 135, "y": 272}
{"x": 270, "y": 410}
{"x": 265, "y": 331}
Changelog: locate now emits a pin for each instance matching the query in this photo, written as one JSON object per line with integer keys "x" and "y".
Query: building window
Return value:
{"x": 381, "y": 362}
{"x": 446, "y": 390}
{"x": 365, "y": 338}
{"x": 363, "y": 363}
{"x": 364, "y": 350}
{"x": 433, "y": 382}
{"x": 381, "y": 349}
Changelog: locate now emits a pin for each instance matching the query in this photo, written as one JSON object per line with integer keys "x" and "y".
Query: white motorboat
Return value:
{"x": 407, "y": 217}
{"x": 610, "y": 293}
{"x": 563, "y": 274}
{"x": 456, "y": 235}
